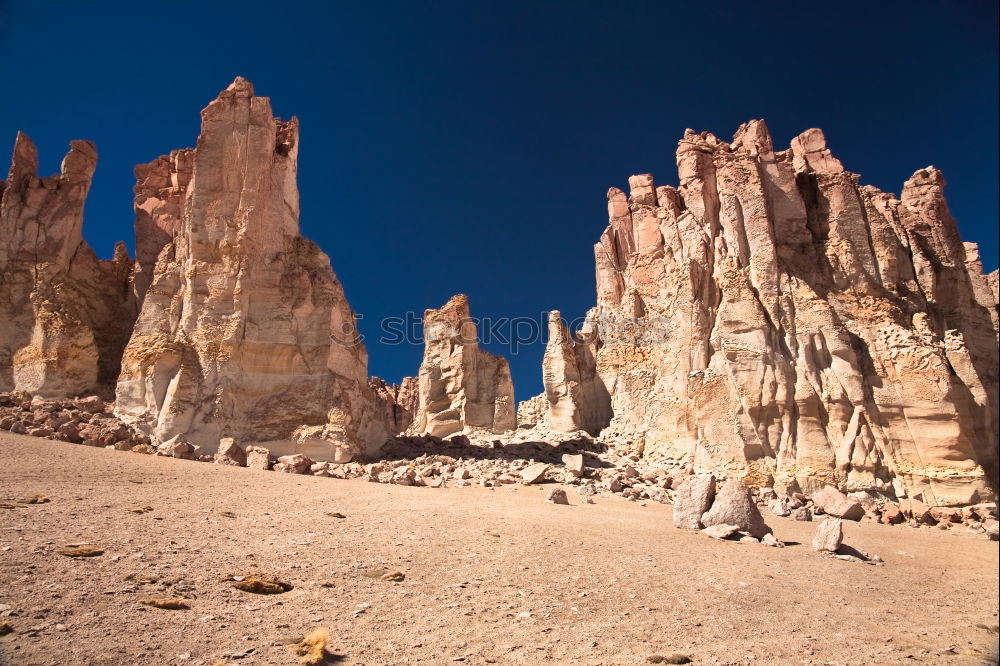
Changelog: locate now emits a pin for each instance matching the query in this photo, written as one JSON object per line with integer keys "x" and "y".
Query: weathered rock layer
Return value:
{"x": 774, "y": 318}
{"x": 244, "y": 330}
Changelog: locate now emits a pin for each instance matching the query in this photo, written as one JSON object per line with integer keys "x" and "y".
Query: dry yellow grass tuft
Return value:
{"x": 262, "y": 585}
{"x": 312, "y": 648}
{"x": 169, "y": 603}
{"x": 80, "y": 551}
{"x": 37, "y": 499}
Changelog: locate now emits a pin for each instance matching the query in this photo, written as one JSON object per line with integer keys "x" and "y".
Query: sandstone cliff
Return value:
{"x": 462, "y": 388}
{"x": 65, "y": 315}
{"x": 244, "y": 330}
{"x": 774, "y": 318}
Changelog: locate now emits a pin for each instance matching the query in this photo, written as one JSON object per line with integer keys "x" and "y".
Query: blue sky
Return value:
{"x": 467, "y": 147}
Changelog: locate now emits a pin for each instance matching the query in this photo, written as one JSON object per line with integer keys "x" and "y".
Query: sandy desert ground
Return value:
{"x": 491, "y": 575}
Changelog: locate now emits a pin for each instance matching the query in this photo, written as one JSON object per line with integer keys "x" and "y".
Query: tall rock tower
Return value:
{"x": 244, "y": 330}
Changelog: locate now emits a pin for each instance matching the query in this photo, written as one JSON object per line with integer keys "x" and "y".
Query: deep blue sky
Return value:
{"x": 467, "y": 147}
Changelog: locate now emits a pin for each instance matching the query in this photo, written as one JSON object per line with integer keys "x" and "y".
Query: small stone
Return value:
{"x": 770, "y": 540}
{"x": 557, "y": 496}
{"x": 574, "y": 464}
{"x": 721, "y": 531}
{"x": 293, "y": 464}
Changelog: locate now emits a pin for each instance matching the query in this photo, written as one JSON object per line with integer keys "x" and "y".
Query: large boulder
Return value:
{"x": 835, "y": 503}
{"x": 829, "y": 535}
{"x": 734, "y": 505}
{"x": 694, "y": 497}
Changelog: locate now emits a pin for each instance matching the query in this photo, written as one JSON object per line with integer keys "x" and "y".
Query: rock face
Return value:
{"x": 774, "y": 318}
{"x": 160, "y": 193}
{"x": 65, "y": 315}
{"x": 397, "y": 402}
{"x": 244, "y": 330}
{"x": 461, "y": 387}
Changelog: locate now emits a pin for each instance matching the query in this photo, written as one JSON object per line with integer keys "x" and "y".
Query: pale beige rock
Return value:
{"x": 461, "y": 387}
{"x": 293, "y": 464}
{"x": 65, "y": 315}
{"x": 773, "y": 319}
{"x": 230, "y": 453}
{"x": 574, "y": 464}
{"x": 160, "y": 193}
{"x": 577, "y": 398}
{"x": 829, "y": 535}
{"x": 258, "y": 457}
{"x": 534, "y": 473}
{"x": 835, "y": 503}
{"x": 734, "y": 505}
{"x": 244, "y": 330}
{"x": 720, "y": 531}
{"x": 694, "y": 497}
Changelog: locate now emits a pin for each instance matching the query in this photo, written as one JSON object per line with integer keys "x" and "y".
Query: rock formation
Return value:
{"x": 244, "y": 330}
{"x": 462, "y": 388}
{"x": 65, "y": 315}
{"x": 774, "y": 318}
{"x": 576, "y": 396}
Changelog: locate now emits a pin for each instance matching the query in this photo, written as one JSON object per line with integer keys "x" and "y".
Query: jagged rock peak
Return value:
{"x": 773, "y": 319}
{"x": 244, "y": 331}
{"x": 64, "y": 314}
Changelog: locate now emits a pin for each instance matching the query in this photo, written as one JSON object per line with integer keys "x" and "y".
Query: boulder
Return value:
{"x": 829, "y": 535}
{"x": 230, "y": 453}
{"x": 835, "y": 503}
{"x": 694, "y": 497}
{"x": 574, "y": 464}
{"x": 734, "y": 505}
{"x": 534, "y": 473}
{"x": 293, "y": 464}
{"x": 258, "y": 458}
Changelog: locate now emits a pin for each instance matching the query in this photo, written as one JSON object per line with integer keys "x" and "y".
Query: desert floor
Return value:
{"x": 491, "y": 576}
